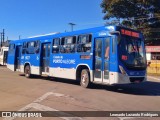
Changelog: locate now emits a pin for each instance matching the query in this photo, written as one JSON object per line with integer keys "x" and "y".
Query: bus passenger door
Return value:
{"x": 101, "y": 72}
{"x": 5, "y": 57}
{"x": 18, "y": 57}
{"x": 45, "y": 58}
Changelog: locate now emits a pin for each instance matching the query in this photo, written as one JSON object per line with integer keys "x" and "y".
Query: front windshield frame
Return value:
{"x": 132, "y": 52}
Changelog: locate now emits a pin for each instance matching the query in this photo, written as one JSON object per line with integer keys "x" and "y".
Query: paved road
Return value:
{"x": 18, "y": 93}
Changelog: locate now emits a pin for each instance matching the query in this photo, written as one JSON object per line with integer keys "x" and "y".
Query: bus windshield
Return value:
{"x": 132, "y": 52}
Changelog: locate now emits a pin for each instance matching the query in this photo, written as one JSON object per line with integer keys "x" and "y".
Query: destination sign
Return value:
{"x": 130, "y": 33}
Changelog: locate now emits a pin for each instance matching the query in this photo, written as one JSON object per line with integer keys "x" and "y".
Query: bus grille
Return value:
{"x": 136, "y": 79}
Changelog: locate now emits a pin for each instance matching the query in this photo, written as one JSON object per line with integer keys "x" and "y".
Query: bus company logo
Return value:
{"x": 103, "y": 33}
{"x": 110, "y": 28}
{"x": 57, "y": 57}
{"x": 6, "y": 114}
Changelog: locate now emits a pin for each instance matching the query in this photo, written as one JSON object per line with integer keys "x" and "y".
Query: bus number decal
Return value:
{"x": 124, "y": 57}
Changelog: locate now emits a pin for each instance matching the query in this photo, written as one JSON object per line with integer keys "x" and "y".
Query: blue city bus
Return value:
{"x": 105, "y": 55}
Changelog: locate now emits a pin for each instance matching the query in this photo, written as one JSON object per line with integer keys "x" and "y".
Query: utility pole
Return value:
{"x": 1, "y": 38}
{"x": 71, "y": 24}
{"x": 19, "y": 37}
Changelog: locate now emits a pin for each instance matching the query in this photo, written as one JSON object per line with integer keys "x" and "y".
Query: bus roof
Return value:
{"x": 83, "y": 31}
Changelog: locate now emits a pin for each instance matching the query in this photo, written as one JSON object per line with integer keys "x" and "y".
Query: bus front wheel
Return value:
{"x": 27, "y": 71}
{"x": 85, "y": 78}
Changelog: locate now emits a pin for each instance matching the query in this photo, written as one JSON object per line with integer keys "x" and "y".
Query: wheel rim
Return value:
{"x": 27, "y": 72}
{"x": 84, "y": 78}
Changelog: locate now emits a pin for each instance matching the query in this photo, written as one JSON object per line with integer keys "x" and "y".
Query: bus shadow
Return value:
{"x": 148, "y": 88}
{"x": 3, "y": 65}
{"x": 54, "y": 79}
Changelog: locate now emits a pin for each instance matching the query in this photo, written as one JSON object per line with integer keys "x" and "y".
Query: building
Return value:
{"x": 153, "y": 59}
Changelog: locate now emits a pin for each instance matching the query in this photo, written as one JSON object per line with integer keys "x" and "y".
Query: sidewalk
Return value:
{"x": 154, "y": 77}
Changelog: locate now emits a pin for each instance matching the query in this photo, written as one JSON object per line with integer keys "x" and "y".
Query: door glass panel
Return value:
{"x": 44, "y": 50}
{"x": 98, "y": 68}
{"x": 106, "y": 48}
{"x": 98, "y": 60}
{"x": 106, "y": 71}
{"x": 5, "y": 57}
{"x": 48, "y": 50}
{"x": 46, "y": 56}
{"x": 107, "y": 51}
{"x": 98, "y": 49}
{"x": 18, "y": 56}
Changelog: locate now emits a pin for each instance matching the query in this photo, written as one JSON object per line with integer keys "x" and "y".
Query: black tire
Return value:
{"x": 85, "y": 78}
{"x": 27, "y": 71}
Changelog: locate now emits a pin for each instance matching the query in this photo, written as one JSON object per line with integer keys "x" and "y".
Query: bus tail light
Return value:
{"x": 122, "y": 70}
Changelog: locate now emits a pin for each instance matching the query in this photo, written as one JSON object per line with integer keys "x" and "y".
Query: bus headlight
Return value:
{"x": 122, "y": 70}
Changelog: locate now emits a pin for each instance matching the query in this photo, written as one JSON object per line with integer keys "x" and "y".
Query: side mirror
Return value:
{"x": 115, "y": 33}
{"x": 118, "y": 34}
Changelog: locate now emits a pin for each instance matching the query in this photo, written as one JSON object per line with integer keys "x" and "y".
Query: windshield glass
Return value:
{"x": 131, "y": 52}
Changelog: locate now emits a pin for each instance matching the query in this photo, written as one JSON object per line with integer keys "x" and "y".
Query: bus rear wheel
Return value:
{"x": 27, "y": 71}
{"x": 85, "y": 78}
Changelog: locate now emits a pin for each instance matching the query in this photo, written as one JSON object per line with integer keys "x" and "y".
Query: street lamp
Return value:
{"x": 71, "y": 24}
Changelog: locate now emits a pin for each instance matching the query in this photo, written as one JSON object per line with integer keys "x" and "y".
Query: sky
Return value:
{"x": 26, "y": 18}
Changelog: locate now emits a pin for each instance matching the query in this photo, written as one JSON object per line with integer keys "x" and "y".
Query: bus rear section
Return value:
{"x": 3, "y": 55}
{"x": 14, "y": 56}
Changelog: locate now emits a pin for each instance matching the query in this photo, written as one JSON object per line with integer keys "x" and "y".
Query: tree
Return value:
{"x": 143, "y": 15}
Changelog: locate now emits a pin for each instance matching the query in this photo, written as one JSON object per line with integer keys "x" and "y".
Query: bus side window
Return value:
{"x": 30, "y": 47}
{"x": 24, "y": 48}
{"x": 68, "y": 44}
{"x": 73, "y": 45}
{"x": 11, "y": 48}
{"x": 68, "y": 41}
{"x": 37, "y": 46}
{"x": 62, "y": 48}
{"x": 88, "y": 46}
{"x": 55, "y": 47}
{"x": 84, "y": 43}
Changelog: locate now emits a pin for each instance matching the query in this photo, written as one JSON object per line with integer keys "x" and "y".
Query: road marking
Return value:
{"x": 54, "y": 94}
{"x": 43, "y": 97}
{"x": 40, "y": 107}
{"x": 153, "y": 77}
